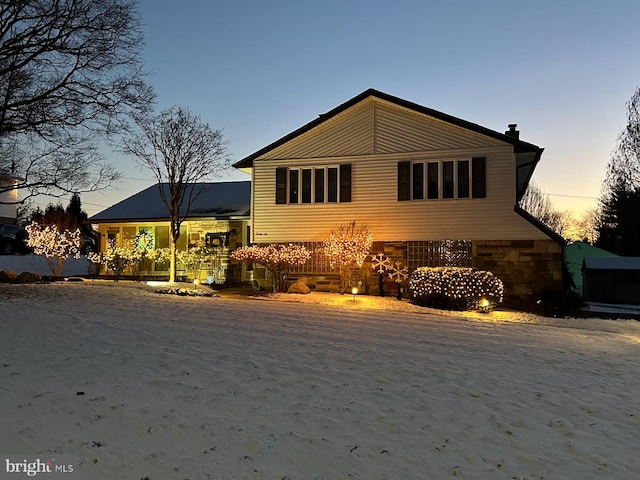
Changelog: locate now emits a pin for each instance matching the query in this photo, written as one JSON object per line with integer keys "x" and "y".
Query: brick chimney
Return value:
{"x": 512, "y": 132}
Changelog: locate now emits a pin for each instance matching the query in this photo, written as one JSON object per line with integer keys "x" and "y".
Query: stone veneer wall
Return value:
{"x": 524, "y": 266}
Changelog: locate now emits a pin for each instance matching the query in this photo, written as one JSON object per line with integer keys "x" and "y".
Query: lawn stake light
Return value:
{"x": 354, "y": 290}
{"x": 484, "y": 305}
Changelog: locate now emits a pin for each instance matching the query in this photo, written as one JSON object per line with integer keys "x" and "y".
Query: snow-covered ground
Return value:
{"x": 37, "y": 264}
{"x": 138, "y": 384}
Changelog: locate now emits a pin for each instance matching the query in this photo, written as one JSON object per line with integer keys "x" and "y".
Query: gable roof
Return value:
{"x": 219, "y": 200}
{"x": 519, "y": 145}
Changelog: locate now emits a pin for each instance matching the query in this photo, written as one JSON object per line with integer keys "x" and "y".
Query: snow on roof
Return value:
{"x": 220, "y": 200}
{"x": 611, "y": 263}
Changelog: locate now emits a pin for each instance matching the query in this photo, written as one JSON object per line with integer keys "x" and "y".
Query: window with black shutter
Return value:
{"x": 479, "y": 177}
{"x": 404, "y": 181}
{"x": 281, "y": 185}
{"x": 345, "y": 183}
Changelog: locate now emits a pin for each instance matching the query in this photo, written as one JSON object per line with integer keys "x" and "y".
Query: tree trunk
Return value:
{"x": 173, "y": 247}
{"x": 172, "y": 261}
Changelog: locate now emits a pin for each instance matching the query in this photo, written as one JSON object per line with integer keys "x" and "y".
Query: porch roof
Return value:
{"x": 217, "y": 200}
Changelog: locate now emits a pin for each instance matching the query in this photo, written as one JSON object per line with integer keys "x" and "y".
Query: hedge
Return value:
{"x": 457, "y": 288}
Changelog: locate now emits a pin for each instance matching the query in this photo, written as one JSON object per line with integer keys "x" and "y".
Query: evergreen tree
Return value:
{"x": 68, "y": 218}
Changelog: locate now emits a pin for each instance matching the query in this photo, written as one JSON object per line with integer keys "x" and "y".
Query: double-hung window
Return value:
{"x": 446, "y": 179}
{"x": 313, "y": 185}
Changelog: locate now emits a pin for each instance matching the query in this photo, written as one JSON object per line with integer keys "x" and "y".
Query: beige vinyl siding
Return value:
{"x": 402, "y": 130}
{"x": 373, "y": 136}
{"x": 350, "y": 133}
{"x": 374, "y": 202}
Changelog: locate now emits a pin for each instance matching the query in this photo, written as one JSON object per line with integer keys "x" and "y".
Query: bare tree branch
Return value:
{"x": 619, "y": 230}
{"x": 70, "y": 75}
{"x": 180, "y": 150}
{"x": 537, "y": 203}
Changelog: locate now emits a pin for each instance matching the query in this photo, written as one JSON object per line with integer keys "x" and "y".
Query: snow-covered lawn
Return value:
{"x": 141, "y": 385}
{"x": 37, "y": 264}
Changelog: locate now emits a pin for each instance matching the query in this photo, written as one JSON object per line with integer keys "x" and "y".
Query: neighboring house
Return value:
{"x": 219, "y": 217}
{"x": 8, "y": 198}
{"x": 573, "y": 256}
{"x": 418, "y": 178}
{"x": 611, "y": 280}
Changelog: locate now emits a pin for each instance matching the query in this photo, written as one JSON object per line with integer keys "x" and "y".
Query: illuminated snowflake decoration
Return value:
{"x": 380, "y": 263}
{"x": 398, "y": 273}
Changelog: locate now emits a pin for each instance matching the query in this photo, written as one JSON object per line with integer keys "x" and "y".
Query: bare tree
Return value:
{"x": 623, "y": 170}
{"x": 585, "y": 228}
{"x": 70, "y": 74}
{"x": 619, "y": 230}
{"x": 181, "y": 150}
{"x": 537, "y": 203}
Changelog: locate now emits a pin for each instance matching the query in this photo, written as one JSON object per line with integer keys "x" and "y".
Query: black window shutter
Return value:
{"x": 281, "y": 185}
{"x": 345, "y": 182}
{"x": 404, "y": 181}
{"x": 479, "y": 177}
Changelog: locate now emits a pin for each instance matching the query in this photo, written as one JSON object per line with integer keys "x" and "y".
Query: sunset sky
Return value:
{"x": 561, "y": 70}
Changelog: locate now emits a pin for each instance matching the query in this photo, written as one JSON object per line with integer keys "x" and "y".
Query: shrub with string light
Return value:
{"x": 348, "y": 247}
{"x": 129, "y": 256}
{"x": 457, "y": 288}
{"x": 54, "y": 245}
{"x": 276, "y": 258}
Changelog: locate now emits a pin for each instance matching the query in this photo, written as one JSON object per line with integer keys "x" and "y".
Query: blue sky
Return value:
{"x": 561, "y": 70}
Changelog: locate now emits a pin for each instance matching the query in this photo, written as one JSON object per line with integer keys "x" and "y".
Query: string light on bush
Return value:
{"x": 54, "y": 245}
{"x": 348, "y": 246}
{"x": 276, "y": 259}
{"x": 456, "y": 287}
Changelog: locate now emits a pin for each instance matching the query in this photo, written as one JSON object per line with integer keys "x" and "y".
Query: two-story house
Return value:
{"x": 435, "y": 190}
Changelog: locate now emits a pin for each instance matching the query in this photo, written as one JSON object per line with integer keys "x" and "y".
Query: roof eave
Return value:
{"x": 519, "y": 145}
{"x": 540, "y": 226}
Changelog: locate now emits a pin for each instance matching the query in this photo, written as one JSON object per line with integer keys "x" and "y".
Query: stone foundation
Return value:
{"x": 524, "y": 266}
